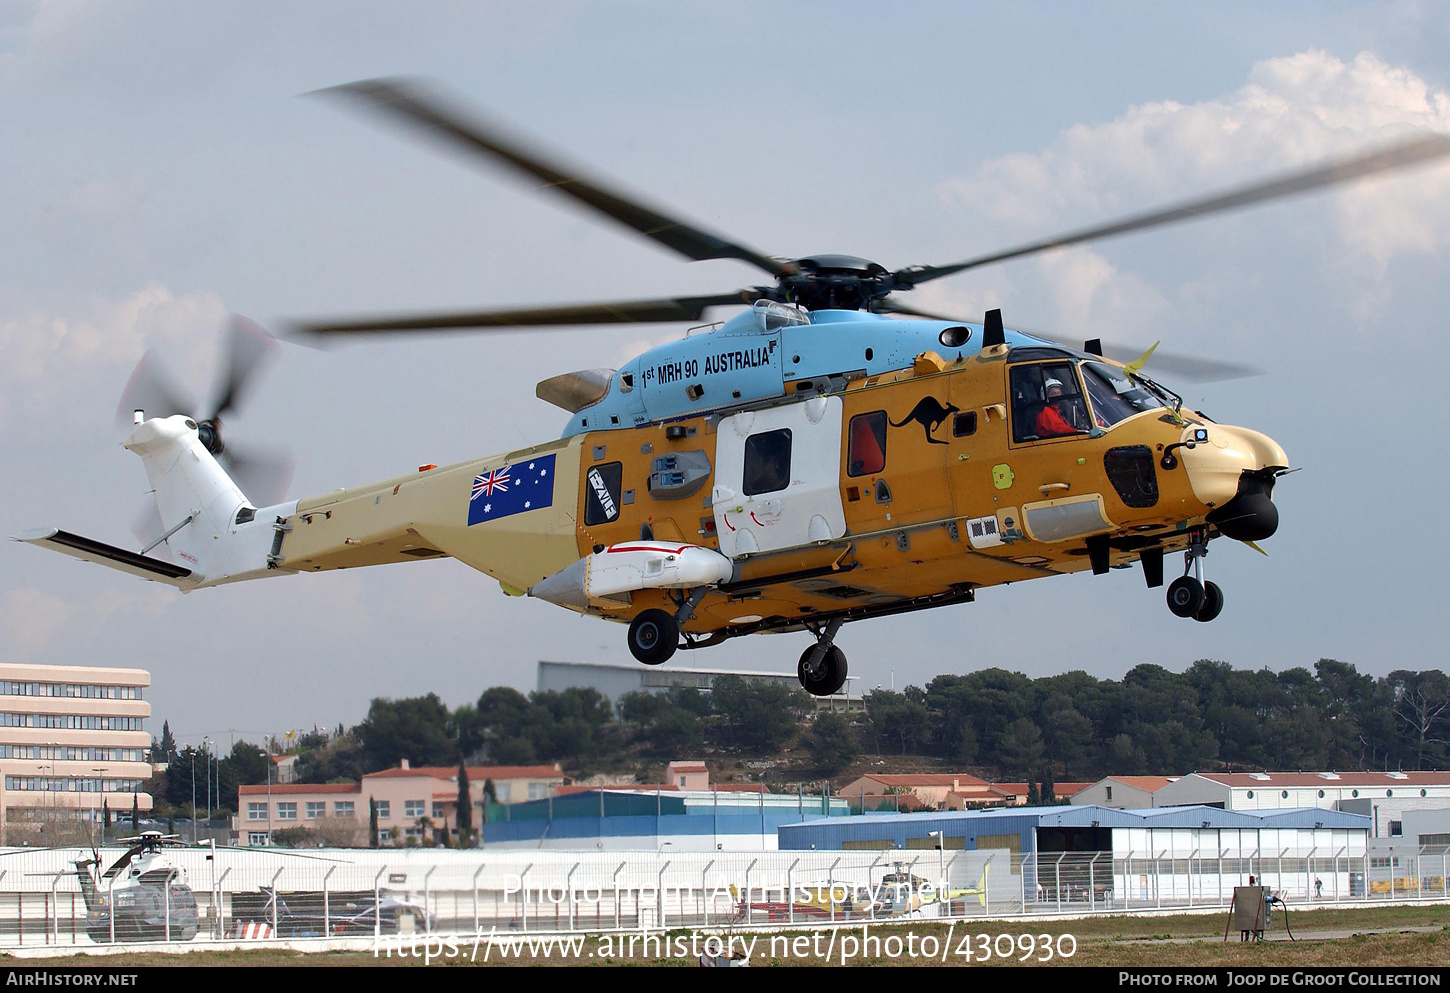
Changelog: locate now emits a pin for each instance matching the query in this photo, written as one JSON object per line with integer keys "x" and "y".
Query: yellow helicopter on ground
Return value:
{"x": 806, "y": 463}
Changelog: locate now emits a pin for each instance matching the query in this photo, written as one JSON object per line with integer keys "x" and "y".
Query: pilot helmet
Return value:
{"x": 1049, "y": 384}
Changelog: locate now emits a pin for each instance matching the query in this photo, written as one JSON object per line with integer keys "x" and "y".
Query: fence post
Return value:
{"x": 110, "y": 907}
{"x": 616, "y": 891}
{"x": 327, "y": 902}
{"x": 221, "y": 920}
{"x": 54, "y": 914}
{"x": 1057, "y": 879}
{"x": 1190, "y": 876}
{"x": 378, "y": 905}
{"x": 1309, "y": 873}
{"x": 1022, "y": 878}
{"x": 745, "y": 914}
{"x": 169, "y": 877}
{"x": 947, "y": 883}
{"x": 276, "y": 899}
{"x": 790, "y": 890}
{"x": 871, "y": 882}
{"x": 660, "y": 895}
{"x": 705, "y": 889}
{"x": 1092, "y": 882}
{"x": 1127, "y": 879}
{"x": 477, "y": 927}
{"x": 569, "y": 887}
{"x": 524, "y": 893}
{"x": 1365, "y": 895}
{"x": 428, "y": 899}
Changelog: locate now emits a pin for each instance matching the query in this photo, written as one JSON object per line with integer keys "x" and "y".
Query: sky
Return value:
{"x": 163, "y": 167}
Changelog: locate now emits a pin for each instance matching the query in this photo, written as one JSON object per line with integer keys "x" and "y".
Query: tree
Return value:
{"x": 168, "y": 743}
{"x": 415, "y": 728}
{"x": 1020, "y": 749}
{"x": 900, "y": 718}
{"x": 1034, "y": 798}
{"x": 758, "y": 714}
{"x": 463, "y": 814}
{"x": 832, "y": 743}
{"x": 372, "y": 823}
{"x": 1048, "y": 796}
{"x": 135, "y": 814}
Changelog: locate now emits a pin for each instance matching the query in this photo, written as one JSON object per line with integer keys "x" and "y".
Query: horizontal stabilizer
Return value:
{"x": 91, "y": 550}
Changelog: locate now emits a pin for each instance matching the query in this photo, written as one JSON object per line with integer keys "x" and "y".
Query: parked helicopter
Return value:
{"x": 148, "y": 891}
{"x": 807, "y": 463}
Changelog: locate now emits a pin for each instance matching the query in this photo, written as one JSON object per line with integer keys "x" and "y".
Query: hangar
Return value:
{"x": 1124, "y": 858}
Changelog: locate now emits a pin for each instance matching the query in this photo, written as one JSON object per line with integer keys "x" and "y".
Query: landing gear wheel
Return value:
{"x": 827, "y": 676}
{"x": 1185, "y": 596}
{"x": 1212, "y": 603}
{"x": 653, "y": 637}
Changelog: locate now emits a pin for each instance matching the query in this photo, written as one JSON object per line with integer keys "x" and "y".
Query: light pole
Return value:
{"x": 101, "y": 786}
{"x": 193, "y": 795}
{"x": 206, "y": 746}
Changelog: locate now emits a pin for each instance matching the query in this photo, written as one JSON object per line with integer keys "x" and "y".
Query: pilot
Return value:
{"x": 1050, "y": 421}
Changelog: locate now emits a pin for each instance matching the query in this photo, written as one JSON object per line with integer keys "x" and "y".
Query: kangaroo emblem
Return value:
{"x": 929, "y": 413}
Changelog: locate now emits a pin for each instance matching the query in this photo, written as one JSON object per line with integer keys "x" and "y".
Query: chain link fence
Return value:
{"x": 51, "y": 897}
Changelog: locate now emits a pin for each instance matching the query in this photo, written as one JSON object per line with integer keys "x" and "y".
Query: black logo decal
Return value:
{"x": 929, "y": 413}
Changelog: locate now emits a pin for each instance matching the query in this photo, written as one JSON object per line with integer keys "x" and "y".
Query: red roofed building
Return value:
{"x": 412, "y": 803}
{"x": 1060, "y": 791}
{"x": 934, "y": 790}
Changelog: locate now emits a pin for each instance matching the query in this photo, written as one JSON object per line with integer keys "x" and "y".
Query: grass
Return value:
{"x": 1101, "y": 941}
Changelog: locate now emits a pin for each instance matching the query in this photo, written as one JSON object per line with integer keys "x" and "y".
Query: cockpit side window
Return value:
{"x": 1047, "y": 402}
{"x": 1115, "y": 396}
{"x": 866, "y": 453}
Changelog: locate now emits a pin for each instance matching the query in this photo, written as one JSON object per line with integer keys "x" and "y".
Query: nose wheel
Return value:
{"x": 822, "y": 668}
{"x": 1191, "y": 596}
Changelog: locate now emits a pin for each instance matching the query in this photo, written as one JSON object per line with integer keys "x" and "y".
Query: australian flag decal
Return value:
{"x": 512, "y": 489}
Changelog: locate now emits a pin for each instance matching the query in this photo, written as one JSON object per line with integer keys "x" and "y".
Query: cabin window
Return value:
{"x": 964, "y": 424}
{"x": 1047, "y": 402}
{"x": 601, "y": 493}
{"x": 866, "y": 454}
{"x": 767, "y": 462}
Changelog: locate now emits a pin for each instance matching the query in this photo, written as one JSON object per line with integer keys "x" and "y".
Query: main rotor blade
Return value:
{"x": 248, "y": 345}
{"x": 405, "y": 99}
{"x": 1188, "y": 367}
{"x": 621, "y": 312}
{"x": 1401, "y": 155}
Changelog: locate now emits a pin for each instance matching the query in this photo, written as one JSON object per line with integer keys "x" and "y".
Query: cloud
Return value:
{"x": 80, "y": 360}
{"x": 30, "y": 619}
{"x": 1291, "y": 112}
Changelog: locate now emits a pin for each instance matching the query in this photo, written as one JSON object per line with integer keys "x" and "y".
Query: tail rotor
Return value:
{"x": 261, "y": 473}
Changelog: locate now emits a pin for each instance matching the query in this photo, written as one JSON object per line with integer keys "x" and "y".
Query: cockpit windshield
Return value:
{"x": 1114, "y": 394}
{"x": 773, "y": 315}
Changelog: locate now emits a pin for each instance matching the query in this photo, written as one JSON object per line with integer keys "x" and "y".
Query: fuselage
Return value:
{"x": 888, "y": 473}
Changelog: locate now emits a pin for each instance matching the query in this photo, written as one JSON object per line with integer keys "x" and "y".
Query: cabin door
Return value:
{"x": 778, "y": 477}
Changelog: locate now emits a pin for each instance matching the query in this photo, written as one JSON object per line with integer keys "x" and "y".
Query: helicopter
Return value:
{"x": 149, "y": 892}
{"x": 828, "y": 454}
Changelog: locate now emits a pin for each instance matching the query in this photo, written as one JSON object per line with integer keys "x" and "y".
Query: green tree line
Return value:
{"x": 1001, "y": 724}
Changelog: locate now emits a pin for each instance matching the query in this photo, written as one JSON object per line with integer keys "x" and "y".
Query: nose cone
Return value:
{"x": 1233, "y": 475}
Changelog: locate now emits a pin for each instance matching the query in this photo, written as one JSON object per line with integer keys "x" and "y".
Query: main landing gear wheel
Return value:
{"x": 828, "y": 674}
{"x": 653, "y": 637}
{"x": 1186, "y": 596}
{"x": 1212, "y": 603}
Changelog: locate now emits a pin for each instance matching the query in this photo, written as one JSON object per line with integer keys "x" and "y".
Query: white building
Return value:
{"x": 1382, "y": 796}
{"x": 1123, "y": 792}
